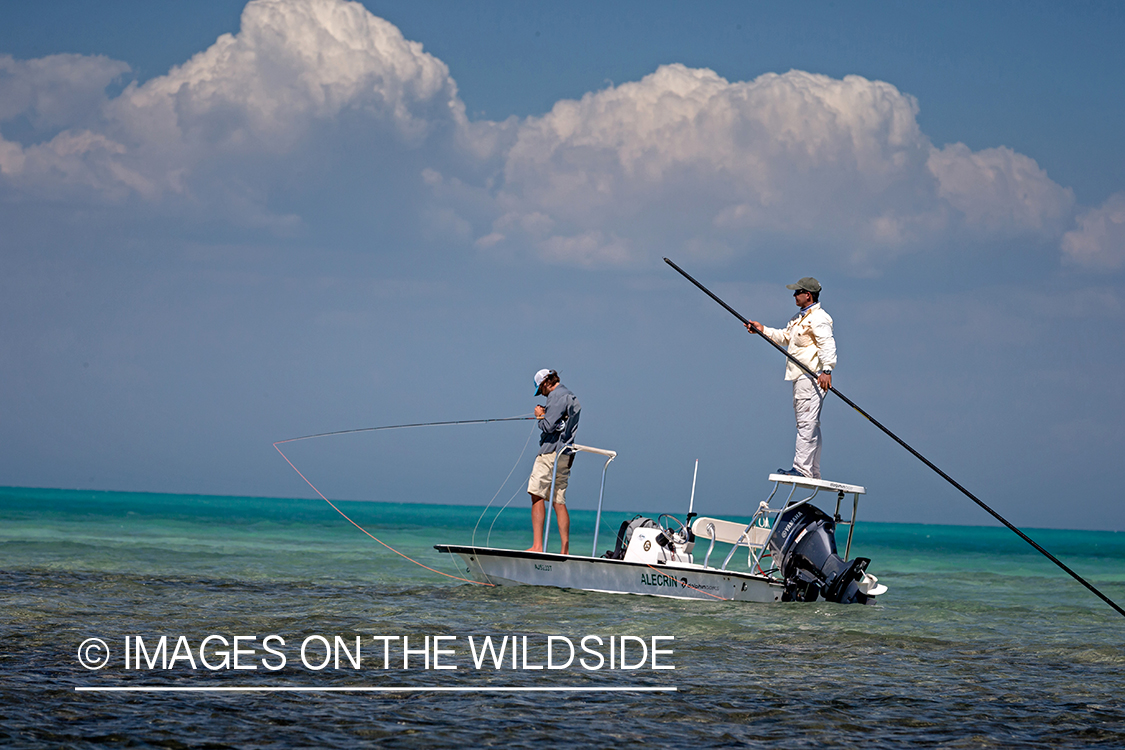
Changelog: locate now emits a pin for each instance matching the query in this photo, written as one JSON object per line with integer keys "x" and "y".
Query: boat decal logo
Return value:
{"x": 648, "y": 545}
{"x": 651, "y": 579}
{"x": 660, "y": 579}
{"x": 540, "y": 566}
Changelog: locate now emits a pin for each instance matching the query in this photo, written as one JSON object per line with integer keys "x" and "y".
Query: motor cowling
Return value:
{"x": 803, "y": 545}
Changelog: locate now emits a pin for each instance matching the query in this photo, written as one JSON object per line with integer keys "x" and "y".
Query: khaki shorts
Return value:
{"x": 540, "y": 482}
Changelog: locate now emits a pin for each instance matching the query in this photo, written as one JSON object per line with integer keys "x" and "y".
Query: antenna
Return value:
{"x": 691, "y": 503}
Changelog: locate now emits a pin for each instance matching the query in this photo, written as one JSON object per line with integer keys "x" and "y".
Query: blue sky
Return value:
{"x": 229, "y": 225}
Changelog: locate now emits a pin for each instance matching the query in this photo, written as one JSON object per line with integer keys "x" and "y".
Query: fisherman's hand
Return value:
{"x": 540, "y": 412}
{"x": 753, "y": 327}
{"x": 824, "y": 380}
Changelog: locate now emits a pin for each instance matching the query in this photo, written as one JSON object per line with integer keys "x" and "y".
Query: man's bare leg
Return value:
{"x": 538, "y": 516}
{"x": 564, "y": 527}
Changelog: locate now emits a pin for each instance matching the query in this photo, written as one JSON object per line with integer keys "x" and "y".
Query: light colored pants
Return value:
{"x": 808, "y": 398}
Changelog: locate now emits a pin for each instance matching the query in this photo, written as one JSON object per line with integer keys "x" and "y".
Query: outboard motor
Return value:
{"x": 804, "y": 547}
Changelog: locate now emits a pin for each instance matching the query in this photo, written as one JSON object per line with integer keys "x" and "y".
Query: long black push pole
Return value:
{"x": 903, "y": 443}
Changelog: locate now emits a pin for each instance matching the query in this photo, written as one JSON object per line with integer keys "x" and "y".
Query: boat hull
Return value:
{"x": 673, "y": 580}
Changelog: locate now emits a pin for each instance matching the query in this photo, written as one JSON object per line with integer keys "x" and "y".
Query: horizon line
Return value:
{"x": 469, "y": 505}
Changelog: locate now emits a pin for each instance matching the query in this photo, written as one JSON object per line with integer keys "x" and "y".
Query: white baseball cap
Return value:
{"x": 539, "y": 378}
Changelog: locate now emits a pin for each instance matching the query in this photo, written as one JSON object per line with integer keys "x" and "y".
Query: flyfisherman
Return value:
{"x": 558, "y": 419}
{"x": 808, "y": 336}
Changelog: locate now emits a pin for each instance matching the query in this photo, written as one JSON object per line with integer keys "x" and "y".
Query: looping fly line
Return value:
{"x": 375, "y": 429}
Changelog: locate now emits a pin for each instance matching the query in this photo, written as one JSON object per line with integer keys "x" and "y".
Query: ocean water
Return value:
{"x": 980, "y": 642}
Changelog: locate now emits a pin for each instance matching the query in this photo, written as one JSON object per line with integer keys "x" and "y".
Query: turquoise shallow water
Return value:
{"x": 979, "y": 642}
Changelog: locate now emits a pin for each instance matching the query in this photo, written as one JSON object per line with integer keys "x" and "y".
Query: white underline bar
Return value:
{"x": 362, "y": 689}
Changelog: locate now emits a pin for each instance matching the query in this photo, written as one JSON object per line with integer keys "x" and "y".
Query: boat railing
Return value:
{"x": 756, "y": 535}
{"x": 729, "y": 532}
{"x": 576, "y": 448}
{"x": 816, "y": 485}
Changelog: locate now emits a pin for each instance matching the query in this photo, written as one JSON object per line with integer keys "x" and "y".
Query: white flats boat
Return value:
{"x": 790, "y": 552}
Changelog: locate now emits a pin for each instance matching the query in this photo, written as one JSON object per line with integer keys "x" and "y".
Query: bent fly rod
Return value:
{"x": 905, "y": 445}
{"x": 400, "y": 427}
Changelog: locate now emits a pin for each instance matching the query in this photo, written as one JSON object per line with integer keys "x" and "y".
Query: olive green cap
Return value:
{"x": 809, "y": 284}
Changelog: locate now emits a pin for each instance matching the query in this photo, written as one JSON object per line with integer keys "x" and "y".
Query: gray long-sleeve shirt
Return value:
{"x": 560, "y": 423}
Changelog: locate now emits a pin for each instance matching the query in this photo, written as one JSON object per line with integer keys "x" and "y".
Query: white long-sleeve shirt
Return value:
{"x": 808, "y": 337}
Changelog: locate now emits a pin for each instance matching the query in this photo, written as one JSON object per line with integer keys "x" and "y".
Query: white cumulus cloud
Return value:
{"x": 1099, "y": 239}
{"x": 686, "y": 158}
{"x": 998, "y": 189}
{"x": 58, "y": 98}
{"x": 293, "y": 64}
{"x": 323, "y": 92}
{"x": 55, "y": 90}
